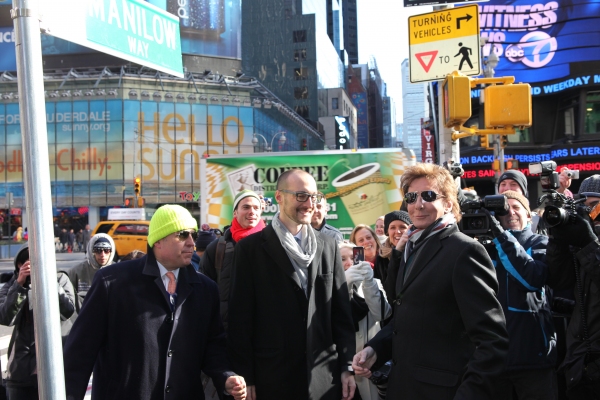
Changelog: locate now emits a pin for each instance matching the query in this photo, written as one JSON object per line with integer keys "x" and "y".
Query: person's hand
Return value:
{"x": 495, "y": 226}
{"x": 348, "y": 386}
{"x": 363, "y": 361}
{"x": 353, "y": 275}
{"x": 579, "y": 233}
{"x": 403, "y": 240}
{"x": 24, "y": 273}
{"x": 563, "y": 180}
{"x": 236, "y": 387}
{"x": 364, "y": 267}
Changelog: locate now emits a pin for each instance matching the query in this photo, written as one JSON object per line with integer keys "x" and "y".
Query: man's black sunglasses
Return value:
{"x": 183, "y": 235}
{"x": 427, "y": 195}
{"x": 303, "y": 196}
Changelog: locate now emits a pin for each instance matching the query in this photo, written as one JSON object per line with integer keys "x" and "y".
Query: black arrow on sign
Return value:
{"x": 468, "y": 17}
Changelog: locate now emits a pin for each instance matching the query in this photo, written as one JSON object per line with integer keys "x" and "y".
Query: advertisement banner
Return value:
{"x": 362, "y": 130}
{"x": 359, "y": 186}
{"x": 541, "y": 41}
{"x": 427, "y": 146}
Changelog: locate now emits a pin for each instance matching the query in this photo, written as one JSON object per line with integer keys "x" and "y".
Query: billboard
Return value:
{"x": 541, "y": 41}
{"x": 359, "y": 186}
{"x": 362, "y": 130}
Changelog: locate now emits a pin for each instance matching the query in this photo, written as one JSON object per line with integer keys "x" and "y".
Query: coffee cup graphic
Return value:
{"x": 363, "y": 193}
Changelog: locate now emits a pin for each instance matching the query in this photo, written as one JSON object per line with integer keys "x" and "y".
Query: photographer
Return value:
{"x": 519, "y": 259}
{"x": 573, "y": 258}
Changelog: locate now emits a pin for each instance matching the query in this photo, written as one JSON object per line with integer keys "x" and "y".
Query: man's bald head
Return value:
{"x": 283, "y": 181}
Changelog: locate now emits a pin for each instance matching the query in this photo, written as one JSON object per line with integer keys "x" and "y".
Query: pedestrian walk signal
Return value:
{"x": 137, "y": 186}
{"x": 511, "y": 163}
{"x": 129, "y": 202}
{"x": 457, "y": 99}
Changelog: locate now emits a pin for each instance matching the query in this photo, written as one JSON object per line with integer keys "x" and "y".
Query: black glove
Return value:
{"x": 578, "y": 233}
{"x": 495, "y": 226}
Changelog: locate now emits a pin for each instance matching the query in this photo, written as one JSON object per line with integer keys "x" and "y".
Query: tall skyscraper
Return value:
{"x": 414, "y": 108}
{"x": 286, "y": 45}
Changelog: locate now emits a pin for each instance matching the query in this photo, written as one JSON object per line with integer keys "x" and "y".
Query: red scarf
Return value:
{"x": 238, "y": 233}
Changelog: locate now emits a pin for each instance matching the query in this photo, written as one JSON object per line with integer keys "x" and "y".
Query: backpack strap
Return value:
{"x": 219, "y": 256}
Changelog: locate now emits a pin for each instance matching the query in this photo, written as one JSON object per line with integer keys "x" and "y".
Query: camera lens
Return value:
{"x": 555, "y": 216}
{"x": 476, "y": 223}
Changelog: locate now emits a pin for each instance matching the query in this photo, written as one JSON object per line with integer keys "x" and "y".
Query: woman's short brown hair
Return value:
{"x": 367, "y": 227}
{"x": 436, "y": 175}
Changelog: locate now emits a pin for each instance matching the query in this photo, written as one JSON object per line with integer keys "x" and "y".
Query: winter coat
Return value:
{"x": 522, "y": 272}
{"x": 562, "y": 275}
{"x": 136, "y": 346}
{"x": 374, "y": 295}
{"x": 289, "y": 344}
{"x": 16, "y": 310}
{"x": 329, "y": 230}
{"x": 447, "y": 338}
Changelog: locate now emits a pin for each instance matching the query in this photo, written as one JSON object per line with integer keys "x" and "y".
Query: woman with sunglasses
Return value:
{"x": 447, "y": 338}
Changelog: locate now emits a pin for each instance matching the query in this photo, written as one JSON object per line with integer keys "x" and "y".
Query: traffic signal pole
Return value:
{"x": 36, "y": 176}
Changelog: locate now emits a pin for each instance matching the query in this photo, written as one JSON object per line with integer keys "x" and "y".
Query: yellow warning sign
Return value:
{"x": 444, "y": 24}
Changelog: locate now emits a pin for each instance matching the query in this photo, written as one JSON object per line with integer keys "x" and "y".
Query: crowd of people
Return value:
{"x": 408, "y": 308}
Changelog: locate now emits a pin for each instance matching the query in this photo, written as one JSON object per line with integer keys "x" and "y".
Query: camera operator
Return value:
{"x": 573, "y": 258}
{"x": 522, "y": 272}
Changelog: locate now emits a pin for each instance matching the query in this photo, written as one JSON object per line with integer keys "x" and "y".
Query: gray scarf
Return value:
{"x": 300, "y": 255}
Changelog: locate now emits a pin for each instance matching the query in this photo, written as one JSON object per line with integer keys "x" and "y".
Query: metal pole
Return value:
{"x": 36, "y": 177}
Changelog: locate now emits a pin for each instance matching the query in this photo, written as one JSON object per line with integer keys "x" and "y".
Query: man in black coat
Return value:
{"x": 149, "y": 326}
{"x": 291, "y": 333}
{"x": 447, "y": 338}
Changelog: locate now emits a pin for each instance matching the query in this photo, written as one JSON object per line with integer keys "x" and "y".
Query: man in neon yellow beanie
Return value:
{"x": 149, "y": 326}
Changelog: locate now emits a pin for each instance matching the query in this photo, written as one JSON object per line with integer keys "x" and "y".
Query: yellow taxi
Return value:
{"x": 128, "y": 235}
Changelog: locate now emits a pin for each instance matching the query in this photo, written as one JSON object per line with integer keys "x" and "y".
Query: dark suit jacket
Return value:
{"x": 137, "y": 347}
{"x": 448, "y": 336}
{"x": 287, "y": 344}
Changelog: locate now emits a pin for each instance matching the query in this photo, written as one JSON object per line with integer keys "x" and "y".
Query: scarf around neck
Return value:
{"x": 238, "y": 233}
{"x": 418, "y": 236}
{"x": 300, "y": 255}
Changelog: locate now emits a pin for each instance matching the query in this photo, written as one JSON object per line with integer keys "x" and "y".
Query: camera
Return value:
{"x": 560, "y": 209}
{"x": 473, "y": 222}
{"x": 381, "y": 376}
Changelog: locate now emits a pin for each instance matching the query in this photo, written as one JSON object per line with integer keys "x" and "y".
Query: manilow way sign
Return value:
{"x": 130, "y": 29}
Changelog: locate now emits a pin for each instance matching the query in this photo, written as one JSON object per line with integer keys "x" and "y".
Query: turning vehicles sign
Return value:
{"x": 444, "y": 41}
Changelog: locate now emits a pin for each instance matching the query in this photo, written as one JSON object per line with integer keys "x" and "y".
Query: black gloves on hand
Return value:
{"x": 579, "y": 233}
{"x": 495, "y": 226}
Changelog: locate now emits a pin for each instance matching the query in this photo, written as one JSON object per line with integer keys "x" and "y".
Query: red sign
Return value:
{"x": 15, "y": 211}
{"x": 421, "y": 58}
{"x": 427, "y": 146}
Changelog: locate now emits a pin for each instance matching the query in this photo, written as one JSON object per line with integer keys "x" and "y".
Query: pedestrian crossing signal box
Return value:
{"x": 457, "y": 100}
{"x": 507, "y": 105}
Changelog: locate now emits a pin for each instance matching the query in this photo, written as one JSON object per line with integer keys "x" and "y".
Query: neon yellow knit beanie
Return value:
{"x": 168, "y": 219}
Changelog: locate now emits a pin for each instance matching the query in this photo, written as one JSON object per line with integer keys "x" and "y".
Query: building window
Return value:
{"x": 334, "y": 103}
{"x": 301, "y": 92}
{"x": 299, "y": 55}
{"x": 300, "y": 74}
{"x": 300, "y": 36}
{"x": 592, "y": 113}
{"x": 302, "y": 111}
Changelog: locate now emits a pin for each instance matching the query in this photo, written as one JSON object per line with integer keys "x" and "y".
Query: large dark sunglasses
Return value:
{"x": 183, "y": 235}
{"x": 100, "y": 251}
{"x": 427, "y": 195}
{"x": 303, "y": 196}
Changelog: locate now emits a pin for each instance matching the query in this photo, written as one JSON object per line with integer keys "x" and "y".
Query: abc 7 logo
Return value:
{"x": 535, "y": 50}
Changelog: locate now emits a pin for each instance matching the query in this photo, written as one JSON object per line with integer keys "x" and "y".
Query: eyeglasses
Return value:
{"x": 303, "y": 196}
{"x": 100, "y": 251}
{"x": 427, "y": 195}
{"x": 183, "y": 235}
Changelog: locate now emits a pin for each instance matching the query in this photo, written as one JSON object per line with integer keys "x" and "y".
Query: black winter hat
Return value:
{"x": 204, "y": 239}
{"x": 102, "y": 243}
{"x": 395, "y": 216}
{"x": 516, "y": 176}
{"x": 590, "y": 186}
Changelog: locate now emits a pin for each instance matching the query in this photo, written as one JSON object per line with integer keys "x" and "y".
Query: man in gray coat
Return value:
{"x": 319, "y": 222}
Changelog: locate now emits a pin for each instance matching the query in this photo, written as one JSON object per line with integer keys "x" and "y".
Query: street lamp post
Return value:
{"x": 269, "y": 148}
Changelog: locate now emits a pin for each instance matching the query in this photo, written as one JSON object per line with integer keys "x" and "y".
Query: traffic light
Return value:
{"x": 457, "y": 100}
{"x": 503, "y": 141}
{"x": 507, "y": 105}
{"x": 141, "y": 202}
{"x": 484, "y": 141}
{"x": 129, "y": 202}
{"x": 511, "y": 163}
{"x": 496, "y": 165}
{"x": 137, "y": 186}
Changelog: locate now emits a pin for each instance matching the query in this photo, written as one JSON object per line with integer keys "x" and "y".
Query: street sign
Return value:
{"x": 130, "y": 29}
{"x": 444, "y": 41}
{"x": 413, "y": 3}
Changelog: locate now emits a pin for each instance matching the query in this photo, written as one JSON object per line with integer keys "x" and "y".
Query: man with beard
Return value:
{"x": 217, "y": 260}
{"x": 291, "y": 333}
{"x": 447, "y": 338}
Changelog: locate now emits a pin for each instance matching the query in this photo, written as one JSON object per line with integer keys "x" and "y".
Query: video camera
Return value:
{"x": 475, "y": 223}
{"x": 560, "y": 209}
